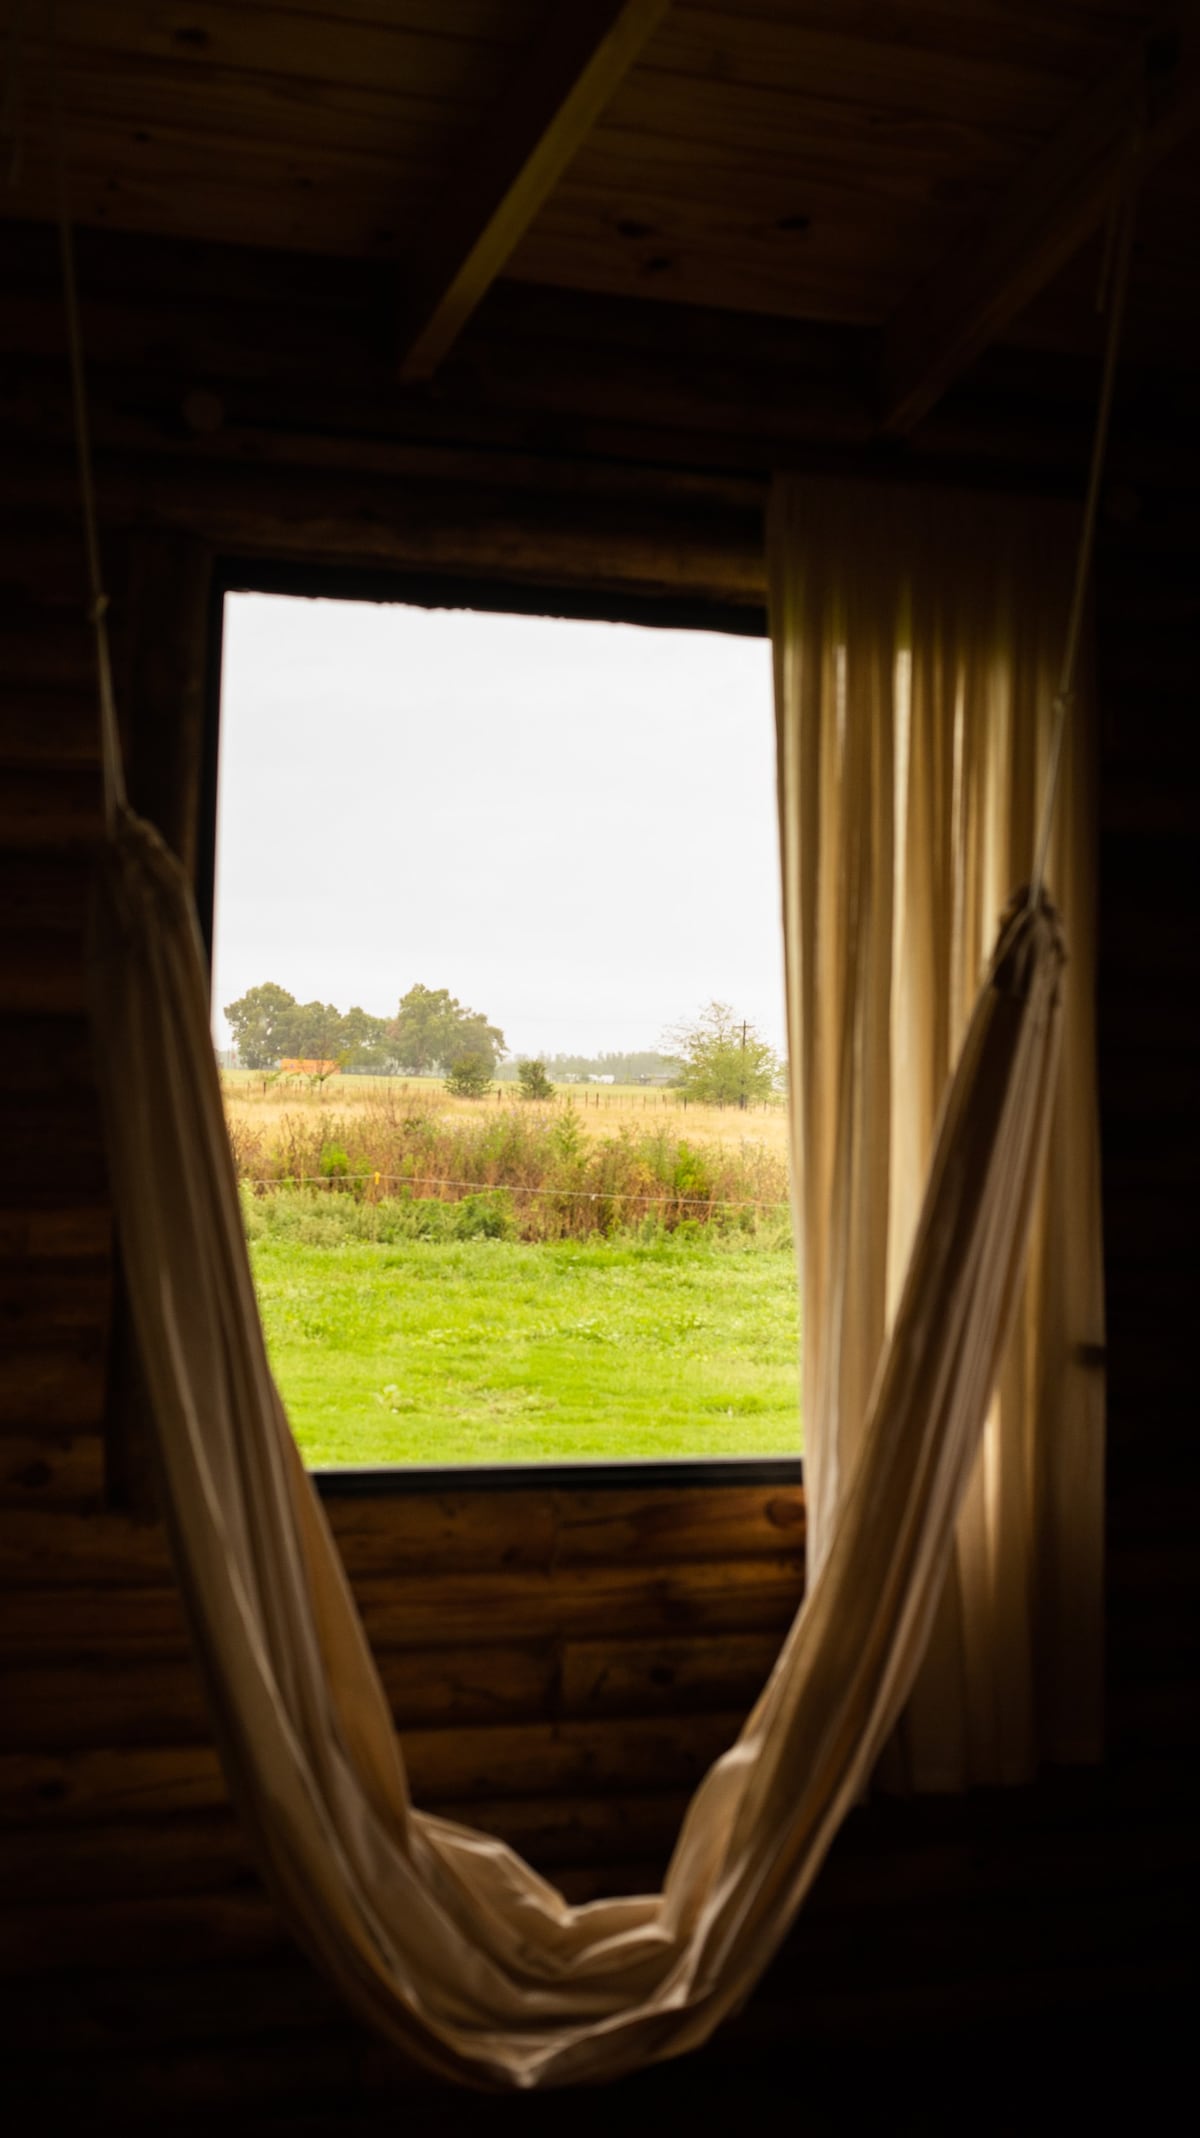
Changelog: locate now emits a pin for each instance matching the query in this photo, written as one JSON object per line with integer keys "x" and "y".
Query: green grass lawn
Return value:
{"x": 491, "y": 1350}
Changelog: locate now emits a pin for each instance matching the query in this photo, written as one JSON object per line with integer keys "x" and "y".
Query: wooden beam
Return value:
{"x": 563, "y": 85}
{"x": 1055, "y": 205}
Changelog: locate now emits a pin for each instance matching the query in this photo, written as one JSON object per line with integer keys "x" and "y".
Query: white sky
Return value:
{"x": 569, "y": 825}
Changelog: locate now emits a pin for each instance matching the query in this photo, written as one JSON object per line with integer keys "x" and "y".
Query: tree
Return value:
{"x": 534, "y": 1083}
{"x": 725, "y": 1061}
{"x": 258, "y": 1021}
{"x": 313, "y": 1032}
{"x": 468, "y": 1078}
{"x": 482, "y": 1041}
{"x": 431, "y": 1029}
{"x": 365, "y": 1042}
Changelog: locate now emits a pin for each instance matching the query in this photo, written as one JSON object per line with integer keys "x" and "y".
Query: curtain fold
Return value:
{"x": 916, "y": 638}
{"x": 439, "y": 1936}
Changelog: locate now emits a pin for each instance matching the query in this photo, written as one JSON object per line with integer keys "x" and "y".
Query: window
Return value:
{"x": 453, "y": 845}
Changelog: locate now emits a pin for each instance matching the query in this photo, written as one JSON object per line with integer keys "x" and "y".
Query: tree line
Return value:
{"x": 431, "y": 1032}
{"x": 717, "y": 1058}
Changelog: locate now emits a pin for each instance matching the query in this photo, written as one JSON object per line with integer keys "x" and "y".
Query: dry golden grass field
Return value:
{"x": 264, "y": 1105}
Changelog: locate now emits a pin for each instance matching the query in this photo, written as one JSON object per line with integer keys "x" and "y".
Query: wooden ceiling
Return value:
{"x": 919, "y": 167}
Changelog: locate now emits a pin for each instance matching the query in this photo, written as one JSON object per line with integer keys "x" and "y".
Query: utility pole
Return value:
{"x": 743, "y": 1098}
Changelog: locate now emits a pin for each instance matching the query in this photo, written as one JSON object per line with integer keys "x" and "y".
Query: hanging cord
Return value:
{"x": 112, "y": 770}
{"x": 1115, "y": 285}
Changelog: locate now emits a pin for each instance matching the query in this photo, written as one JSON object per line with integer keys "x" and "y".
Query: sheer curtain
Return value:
{"x": 916, "y": 638}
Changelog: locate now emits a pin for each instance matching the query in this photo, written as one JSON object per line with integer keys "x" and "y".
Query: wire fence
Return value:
{"x": 334, "y": 1182}
{"x": 624, "y": 1099}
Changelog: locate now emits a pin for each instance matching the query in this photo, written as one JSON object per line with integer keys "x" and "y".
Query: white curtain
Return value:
{"x": 916, "y": 636}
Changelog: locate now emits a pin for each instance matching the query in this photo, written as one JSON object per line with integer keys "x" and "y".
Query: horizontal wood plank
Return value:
{"x": 453, "y": 1559}
{"x": 56, "y": 1388}
{"x": 128, "y": 1619}
{"x": 40, "y": 1467}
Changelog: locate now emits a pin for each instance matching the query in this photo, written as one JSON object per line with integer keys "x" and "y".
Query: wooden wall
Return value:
{"x": 563, "y": 1666}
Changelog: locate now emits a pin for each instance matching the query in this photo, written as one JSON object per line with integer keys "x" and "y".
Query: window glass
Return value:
{"x": 498, "y": 1002}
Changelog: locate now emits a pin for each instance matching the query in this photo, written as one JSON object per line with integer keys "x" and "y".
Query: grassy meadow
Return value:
{"x": 605, "y": 1275}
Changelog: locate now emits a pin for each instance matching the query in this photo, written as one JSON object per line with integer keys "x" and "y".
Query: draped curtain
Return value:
{"x": 916, "y": 638}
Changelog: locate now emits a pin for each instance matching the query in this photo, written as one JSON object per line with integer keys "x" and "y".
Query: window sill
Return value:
{"x": 684, "y": 1473}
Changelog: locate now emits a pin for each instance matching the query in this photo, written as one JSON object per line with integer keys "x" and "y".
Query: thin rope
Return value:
{"x": 1117, "y": 291}
{"x": 112, "y": 770}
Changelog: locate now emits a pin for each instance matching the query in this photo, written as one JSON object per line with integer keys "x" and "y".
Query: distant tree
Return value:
{"x": 482, "y": 1041}
{"x": 468, "y": 1078}
{"x": 431, "y": 1029}
{"x": 533, "y": 1081}
{"x": 313, "y": 1031}
{"x": 258, "y": 1021}
{"x": 725, "y": 1061}
{"x": 365, "y": 1042}
{"x": 418, "y": 1028}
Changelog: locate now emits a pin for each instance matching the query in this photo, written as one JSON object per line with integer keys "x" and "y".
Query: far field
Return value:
{"x": 607, "y": 1276}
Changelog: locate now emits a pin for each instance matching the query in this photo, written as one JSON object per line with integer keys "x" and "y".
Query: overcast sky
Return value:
{"x": 569, "y": 825}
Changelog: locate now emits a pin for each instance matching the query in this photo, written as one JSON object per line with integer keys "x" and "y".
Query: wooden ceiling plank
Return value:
{"x": 664, "y": 108}
{"x": 1027, "y": 31}
{"x": 883, "y": 70}
{"x": 738, "y": 278}
{"x": 213, "y": 37}
{"x": 147, "y": 95}
{"x": 561, "y": 89}
{"x": 1059, "y": 201}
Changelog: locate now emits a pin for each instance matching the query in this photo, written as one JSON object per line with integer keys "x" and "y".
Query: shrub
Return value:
{"x": 254, "y": 1211}
{"x": 569, "y": 1136}
{"x": 469, "y": 1078}
{"x": 484, "y": 1217}
{"x": 533, "y": 1081}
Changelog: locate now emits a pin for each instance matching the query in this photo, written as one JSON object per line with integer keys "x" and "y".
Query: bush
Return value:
{"x": 484, "y": 1217}
{"x": 533, "y": 1081}
{"x": 316, "y": 1219}
{"x": 469, "y": 1078}
{"x": 254, "y": 1211}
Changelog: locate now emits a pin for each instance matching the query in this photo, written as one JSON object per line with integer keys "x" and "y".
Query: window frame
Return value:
{"x": 412, "y": 588}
